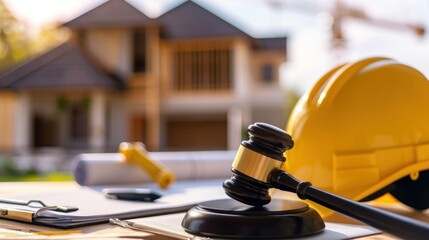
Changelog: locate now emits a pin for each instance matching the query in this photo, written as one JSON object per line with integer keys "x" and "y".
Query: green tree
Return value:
{"x": 48, "y": 37}
{"x": 14, "y": 45}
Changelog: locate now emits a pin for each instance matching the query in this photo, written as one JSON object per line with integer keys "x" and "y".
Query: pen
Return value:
{"x": 149, "y": 229}
{"x": 133, "y": 194}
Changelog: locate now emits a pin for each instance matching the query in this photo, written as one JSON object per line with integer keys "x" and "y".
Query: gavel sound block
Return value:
{"x": 256, "y": 169}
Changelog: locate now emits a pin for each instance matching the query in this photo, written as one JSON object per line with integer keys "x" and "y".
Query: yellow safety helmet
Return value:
{"x": 362, "y": 131}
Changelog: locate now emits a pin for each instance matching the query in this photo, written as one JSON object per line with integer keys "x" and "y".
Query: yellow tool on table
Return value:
{"x": 136, "y": 153}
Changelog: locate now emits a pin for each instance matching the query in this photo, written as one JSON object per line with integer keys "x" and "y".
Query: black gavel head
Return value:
{"x": 255, "y": 160}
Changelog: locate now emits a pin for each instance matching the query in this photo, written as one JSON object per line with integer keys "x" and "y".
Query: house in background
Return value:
{"x": 186, "y": 80}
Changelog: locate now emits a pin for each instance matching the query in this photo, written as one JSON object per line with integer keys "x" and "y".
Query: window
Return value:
{"x": 45, "y": 131}
{"x": 140, "y": 64}
{"x": 79, "y": 121}
{"x": 267, "y": 73}
{"x": 201, "y": 67}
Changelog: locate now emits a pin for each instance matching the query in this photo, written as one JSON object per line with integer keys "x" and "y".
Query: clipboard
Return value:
{"x": 27, "y": 215}
{"x": 95, "y": 208}
{"x": 16, "y": 214}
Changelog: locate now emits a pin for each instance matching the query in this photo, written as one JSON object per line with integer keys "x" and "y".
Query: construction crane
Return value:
{"x": 340, "y": 12}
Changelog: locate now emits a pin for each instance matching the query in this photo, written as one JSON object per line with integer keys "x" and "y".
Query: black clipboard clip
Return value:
{"x": 26, "y": 215}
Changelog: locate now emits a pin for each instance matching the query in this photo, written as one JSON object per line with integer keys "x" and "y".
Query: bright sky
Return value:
{"x": 40, "y": 12}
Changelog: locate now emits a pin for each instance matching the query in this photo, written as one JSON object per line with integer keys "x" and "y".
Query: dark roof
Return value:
{"x": 190, "y": 20}
{"x": 270, "y": 43}
{"x": 62, "y": 67}
{"x": 187, "y": 20}
{"x": 113, "y": 13}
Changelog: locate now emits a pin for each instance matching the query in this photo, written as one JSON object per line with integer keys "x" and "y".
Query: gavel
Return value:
{"x": 258, "y": 167}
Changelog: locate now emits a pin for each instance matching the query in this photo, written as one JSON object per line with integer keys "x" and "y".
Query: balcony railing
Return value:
{"x": 201, "y": 68}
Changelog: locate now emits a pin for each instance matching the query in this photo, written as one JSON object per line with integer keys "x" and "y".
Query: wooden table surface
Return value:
{"x": 107, "y": 231}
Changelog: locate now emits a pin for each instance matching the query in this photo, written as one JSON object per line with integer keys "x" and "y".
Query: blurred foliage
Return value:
{"x": 13, "y": 41}
{"x": 35, "y": 177}
{"x": 62, "y": 104}
{"x": 16, "y": 44}
{"x": 9, "y": 172}
{"x": 8, "y": 167}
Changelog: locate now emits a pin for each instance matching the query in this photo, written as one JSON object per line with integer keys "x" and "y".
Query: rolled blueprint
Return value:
{"x": 111, "y": 169}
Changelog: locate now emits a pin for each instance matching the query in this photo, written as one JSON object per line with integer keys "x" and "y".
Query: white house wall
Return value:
{"x": 198, "y": 103}
{"x": 97, "y": 120}
{"x": 14, "y": 125}
{"x": 112, "y": 48}
{"x": 242, "y": 81}
{"x": 268, "y": 99}
{"x": 118, "y": 122}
